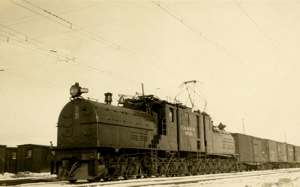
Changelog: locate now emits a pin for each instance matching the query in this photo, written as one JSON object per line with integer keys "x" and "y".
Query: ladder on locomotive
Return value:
{"x": 154, "y": 159}
{"x": 164, "y": 126}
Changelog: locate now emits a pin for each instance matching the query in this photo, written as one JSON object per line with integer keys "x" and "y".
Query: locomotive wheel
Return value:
{"x": 193, "y": 167}
{"x": 225, "y": 165}
{"x": 146, "y": 166}
{"x": 172, "y": 168}
{"x": 182, "y": 167}
{"x": 133, "y": 166}
{"x": 222, "y": 167}
{"x": 209, "y": 166}
{"x": 203, "y": 167}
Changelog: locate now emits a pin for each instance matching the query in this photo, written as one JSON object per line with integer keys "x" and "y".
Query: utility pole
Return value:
{"x": 243, "y": 126}
{"x": 143, "y": 89}
{"x": 285, "y": 136}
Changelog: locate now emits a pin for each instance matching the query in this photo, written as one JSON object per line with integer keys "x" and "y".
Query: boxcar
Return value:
{"x": 11, "y": 159}
{"x": 2, "y": 158}
{"x": 290, "y": 152}
{"x": 282, "y": 152}
{"x": 297, "y": 155}
{"x": 34, "y": 158}
{"x": 251, "y": 153}
{"x": 290, "y": 155}
{"x": 272, "y": 149}
{"x": 264, "y": 151}
{"x": 243, "y": 147}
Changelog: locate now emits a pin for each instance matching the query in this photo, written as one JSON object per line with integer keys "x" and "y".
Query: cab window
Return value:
{"x": 186, "y": 118}
{"x": 171, "y": 114}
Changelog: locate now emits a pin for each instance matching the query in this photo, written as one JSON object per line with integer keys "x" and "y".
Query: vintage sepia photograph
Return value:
{"x": 150, "y": 93}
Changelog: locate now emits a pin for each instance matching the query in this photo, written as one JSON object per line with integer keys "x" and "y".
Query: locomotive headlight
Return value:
{"x": 76, "y": 90}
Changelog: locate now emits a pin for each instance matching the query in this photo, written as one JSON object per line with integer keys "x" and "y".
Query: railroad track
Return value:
{"x": 199, "y": 179}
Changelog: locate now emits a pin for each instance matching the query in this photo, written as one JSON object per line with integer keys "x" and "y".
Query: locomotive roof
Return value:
{"x": 153, "y": 98}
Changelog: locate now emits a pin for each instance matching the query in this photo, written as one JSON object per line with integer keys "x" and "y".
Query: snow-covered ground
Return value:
{"x": 275, "y": 180}
{"x": 25, "y": 175}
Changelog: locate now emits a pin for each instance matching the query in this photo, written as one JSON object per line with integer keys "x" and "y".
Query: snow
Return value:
{"x": 26, "y": 175}
{"x": 276, "y": 180}
{"x": 291, "y": 179}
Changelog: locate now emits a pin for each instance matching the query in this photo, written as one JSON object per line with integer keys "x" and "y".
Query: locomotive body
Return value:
{"x": 145, "y": 136}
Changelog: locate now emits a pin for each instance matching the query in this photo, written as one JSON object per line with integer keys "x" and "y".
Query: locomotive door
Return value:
{"x": 76, "y": 139}
{"x": 76, "y": 121}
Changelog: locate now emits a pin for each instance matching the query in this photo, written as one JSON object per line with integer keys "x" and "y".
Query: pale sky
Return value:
{"x": 245, "y": 54}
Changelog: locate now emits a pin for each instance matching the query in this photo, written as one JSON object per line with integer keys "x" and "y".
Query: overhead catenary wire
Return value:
{"x": 193, "y": 28}
{"x": 47, "y": 48}
{"x": 268, "y": 38}
{"x": 36, "y": 12}
{"x": 102, "y": 40}
{"x": 35, "y": 15}
{"x": 200, "y": 33}
{"x": 79, "y": 62}
{"x": 126, "y": 51}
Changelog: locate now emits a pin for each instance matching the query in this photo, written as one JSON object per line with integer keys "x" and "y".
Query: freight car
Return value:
{"x": 143, "y": 136}
{"x": 255, "y": 153}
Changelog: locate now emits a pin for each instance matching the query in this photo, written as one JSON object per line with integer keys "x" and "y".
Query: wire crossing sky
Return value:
{"x": 245, "y": 54}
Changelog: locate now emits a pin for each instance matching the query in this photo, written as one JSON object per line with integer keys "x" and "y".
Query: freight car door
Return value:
{"x": 2, "y": 159}
{"x": 257, "y": 150}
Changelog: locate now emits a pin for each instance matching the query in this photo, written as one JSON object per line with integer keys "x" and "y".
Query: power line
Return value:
{"x": 71, "y": 60}
{"x": 38, "y": 13}
{"x": 267, "y": 37}
{"x": 23, "y": 46}
{"x": 200, "y": 33}
{"x": 103, "y": 40}
{"x": 193, "y": 28}
{"x": 48, "y": 48}
{"x": 12, "y": 20}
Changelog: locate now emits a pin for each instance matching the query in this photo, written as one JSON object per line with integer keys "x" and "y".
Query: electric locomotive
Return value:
{"x": 143, "y": 136}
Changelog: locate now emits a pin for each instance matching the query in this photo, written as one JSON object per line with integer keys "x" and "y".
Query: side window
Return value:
{"x": 186, "y": 118}
{"x": 171, "y": 114}
{"x": 76, "y": 112}
{"x": 14, "y": 155}
{"x": 198, "y": 127}
{"x": 198, "y": 145}
{"x": 29, "y": 153}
